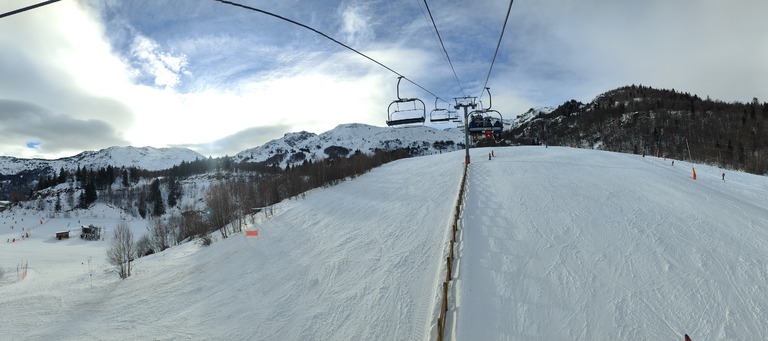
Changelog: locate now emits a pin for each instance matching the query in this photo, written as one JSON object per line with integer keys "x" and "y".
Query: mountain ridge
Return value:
{"x": 300, "y": 147}
{"x": 150, "y": 158}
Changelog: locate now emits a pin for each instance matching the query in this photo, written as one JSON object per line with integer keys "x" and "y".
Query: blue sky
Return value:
{"x": 89, "y": 74}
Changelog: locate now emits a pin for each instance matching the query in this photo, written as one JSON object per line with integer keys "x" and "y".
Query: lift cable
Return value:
{"x": 7, "y": 14}
{"x": 424, "y": 14}
{"x": 328, "y": 37}
{"x": 443, "y": 45}
{"x": 497, "y": 49}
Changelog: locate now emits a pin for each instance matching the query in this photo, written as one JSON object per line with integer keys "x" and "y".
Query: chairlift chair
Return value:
{"x": 485, "y": 123}
{"x": 404, "y": 111}
{"x": 498, "y": 124}
{"x": 440, "y": 114}
{"x": 456, "y": 118}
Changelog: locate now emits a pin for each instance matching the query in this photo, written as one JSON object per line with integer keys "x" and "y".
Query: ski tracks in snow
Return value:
{"x": 626, "y": 250}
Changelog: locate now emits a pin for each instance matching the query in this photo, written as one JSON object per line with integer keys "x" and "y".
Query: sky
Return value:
{"x": 81, "y": 75}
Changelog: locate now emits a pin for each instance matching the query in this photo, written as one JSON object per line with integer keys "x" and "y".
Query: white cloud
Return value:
{"x": 706, "y": 47}
{"x": 164, "y": 67}
{"x": 355, "y": 27}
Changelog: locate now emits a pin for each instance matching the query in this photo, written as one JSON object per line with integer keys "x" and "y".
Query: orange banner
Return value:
{"x": 252, "y": 233}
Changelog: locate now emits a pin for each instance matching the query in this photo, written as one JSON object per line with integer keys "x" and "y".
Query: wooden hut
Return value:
{"x": 62, "y": 235}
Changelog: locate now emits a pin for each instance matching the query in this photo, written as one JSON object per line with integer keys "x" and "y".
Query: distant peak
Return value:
{"x": 352, "y": 126}
{"x": 292, "y": 139}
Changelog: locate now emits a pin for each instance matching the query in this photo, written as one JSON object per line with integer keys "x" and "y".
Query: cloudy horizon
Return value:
{"x": 89, "y": 74}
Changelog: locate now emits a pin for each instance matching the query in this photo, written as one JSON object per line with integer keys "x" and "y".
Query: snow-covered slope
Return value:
{"x": 321, "y": 269}
{"x": 573, "y": 244}
{"x": 295, "y": 148}
{"x": 148, "y": 158}
{"x": 556, "y": 244}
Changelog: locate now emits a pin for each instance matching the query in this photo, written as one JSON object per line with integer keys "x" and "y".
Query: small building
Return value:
{"x": 90, "y": 232}
{"x": 62, "y": 235}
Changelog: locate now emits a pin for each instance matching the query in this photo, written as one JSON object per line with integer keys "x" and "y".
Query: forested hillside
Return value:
{"x": 637, "y": 119}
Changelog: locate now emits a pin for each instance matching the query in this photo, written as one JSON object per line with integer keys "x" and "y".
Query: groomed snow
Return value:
{"x": 356, "y": 261}
{"x": 556, "y": 243}
{"x": 572, "y": 244}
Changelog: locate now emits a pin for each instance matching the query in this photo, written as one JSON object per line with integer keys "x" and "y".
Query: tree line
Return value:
{"x": 641, "y": 119}
{"x": 233, "y": 197}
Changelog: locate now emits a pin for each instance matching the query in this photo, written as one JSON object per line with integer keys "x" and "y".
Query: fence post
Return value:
{"x": 449, "y": 259}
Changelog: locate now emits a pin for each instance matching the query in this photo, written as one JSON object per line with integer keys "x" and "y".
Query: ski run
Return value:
{"x": 554, "y": 244}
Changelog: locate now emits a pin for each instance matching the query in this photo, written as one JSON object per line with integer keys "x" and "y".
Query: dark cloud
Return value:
{"x": 48, "y": 99}
{"x": 237, "y": 142}
{"x": 27, "y": 124}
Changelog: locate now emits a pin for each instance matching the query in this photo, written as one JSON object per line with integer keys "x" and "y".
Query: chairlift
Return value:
{"x": 485, "y": 124}
{"x": 440, "y": 114}
{"x": 456, "y": 118}
{"x": 405, "y": 110}
{"x": 485, "y": 120}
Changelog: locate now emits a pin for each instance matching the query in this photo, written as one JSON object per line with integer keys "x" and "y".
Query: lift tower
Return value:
{"x": 466, "y": 102}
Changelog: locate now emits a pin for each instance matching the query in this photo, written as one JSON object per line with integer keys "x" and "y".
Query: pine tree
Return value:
{"x": 156, "y": 196}
{"x": 78, "y": 176}
{"x": 62, "y": 176}
{"x": 125, "y": 178}
{"x": 88, "y": 195}
{"x": 142, "y": 205}
{"x": 82, "y": 202}
{"x": 90, "y": 190}
{"x": 174, "y": 191}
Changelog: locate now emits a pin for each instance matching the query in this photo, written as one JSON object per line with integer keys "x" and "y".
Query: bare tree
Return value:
{"x": 160, "y": 234}
{"x": 221, "y": 208}
{"x": 190, "y": 224}
{"x": 120, "y": 252}
{"x": 243, "y": 202}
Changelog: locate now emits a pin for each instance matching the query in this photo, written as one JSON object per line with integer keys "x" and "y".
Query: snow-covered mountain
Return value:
{"x": 528, "y": 116}
{"x": 295, "y": 148}
{"x": 148, "y": 158}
